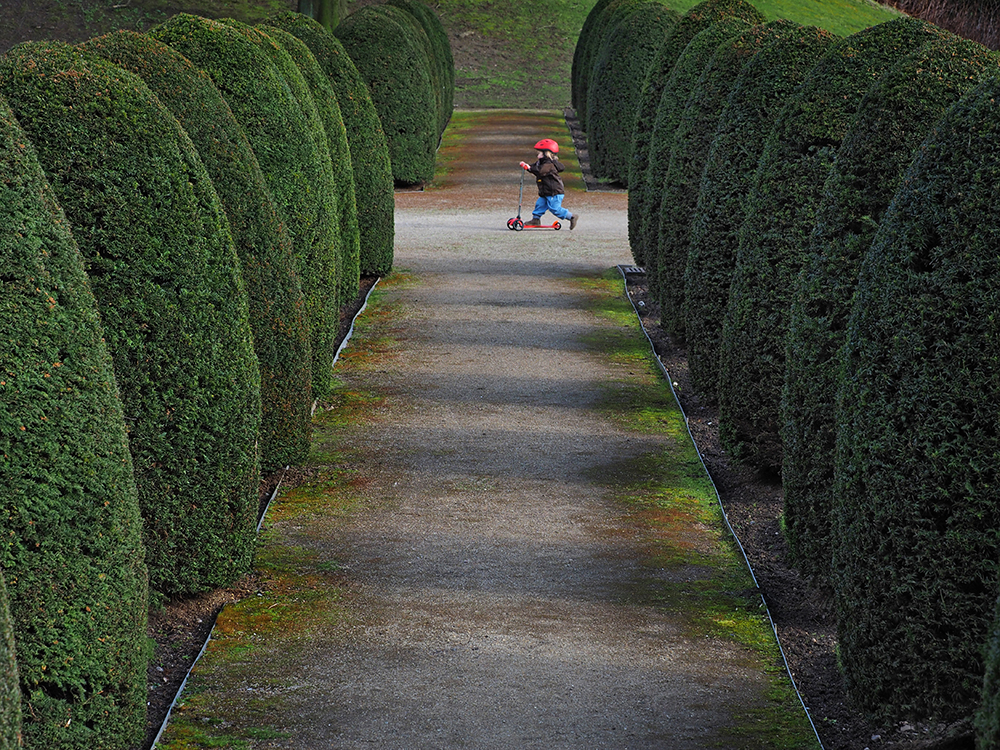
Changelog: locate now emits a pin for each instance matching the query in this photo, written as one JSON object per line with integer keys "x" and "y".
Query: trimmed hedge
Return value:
{"x": 774, "y": 239}
{"x": 696, "y": 20}
{"x": 618, "y": 73}
{"x": 10, "y": 691}
{"x": 679, "y": 91}
{"x": 323, "y": 96}
{"x": 291, "y": 155}
{"x": 391, "y": 57}
{"x": 918, "y": 449}
{"x": 277, "y": 315}
{"x": 369, "y": 149}
{"x": 580, "y": 71}
{"x": 442, "y": 59}
{"x": 760, "y": 93}
{"x": 894, "y": 117}
{"x": 604, "y": 23}
{"x": 71, "y": 548}
{"x": 689, "y": 151}
{"x": 164, "y": 270}
{"x": 317, "y": 130}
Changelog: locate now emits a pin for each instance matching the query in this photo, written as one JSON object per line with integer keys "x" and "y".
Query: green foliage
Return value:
{"x": 657, "y": 77}
{"x": 600, "y": 29}
{"x": 894, "y": 117}
{"x": 280, "y": 330}
{"x": 292, "y": 154}
{"x": 391, "y": 57}
{"x": 688, "y": 152}
{"x": 758, "y": 95}
{"x": 164, "y": 270}
{"x": 10, "y": 691}
{"x": 774, "y": 239}
{"x": 69, "y": 512}
{"x": 646, "y": 195}
{"x": 325, "y": 100}
{"x": 615, "y": 84}
{"x": 442, "y": 60}
{"x": 580, "y": 71}
{"x": 916, "y": 513}
{"x": 365, "y": 137}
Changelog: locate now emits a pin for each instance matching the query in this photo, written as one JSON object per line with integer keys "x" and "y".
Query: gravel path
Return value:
{"x": 492, "y": 578}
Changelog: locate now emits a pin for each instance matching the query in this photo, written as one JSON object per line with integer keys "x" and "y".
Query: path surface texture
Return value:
{"x": 493, "y": 588}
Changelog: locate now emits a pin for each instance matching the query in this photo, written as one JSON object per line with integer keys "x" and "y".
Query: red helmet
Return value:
{"x": 547, "y": 144}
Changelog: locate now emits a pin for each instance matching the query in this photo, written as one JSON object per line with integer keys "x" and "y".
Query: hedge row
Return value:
{"x": 71, "y": 554}
{"x": 132, "y": 423}
{"x": 163, "y": 267}
{"x": 689, "y": 148}
{"x": 366, "y": 139}
{"x": 280, "y": 330}
{"x": 779, "y": 216}
{"x": 410, "y": 80}
{"x": 895, "y": 115}
{"x": 615, "y": 83}
{"x": 917, "y": 514}
{"x": 599, "y": 31}
{"x": 759, "y": 94}
{"x": 655, "y": 83}
{"x": 332, "y": 122}
{"x": 580, "y": 70}
{"x": 267, "y": 103}
{"x": 645, "y": 195}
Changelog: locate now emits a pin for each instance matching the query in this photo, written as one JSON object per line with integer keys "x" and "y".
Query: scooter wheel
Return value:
{"x": 518, "y": 225}
{"x": 510, "y": 224}
{"x": 556, "y": 225}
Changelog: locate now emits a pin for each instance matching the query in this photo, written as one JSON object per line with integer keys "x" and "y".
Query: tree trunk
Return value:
{"x": 328, "y": 12}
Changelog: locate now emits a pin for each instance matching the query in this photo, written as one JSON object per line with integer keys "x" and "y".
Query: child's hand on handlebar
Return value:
{"x": 525, "y": 166}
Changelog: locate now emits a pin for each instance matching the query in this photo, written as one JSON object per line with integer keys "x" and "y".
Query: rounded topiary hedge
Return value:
{"x": 916, "y": 511}
{"x": 760, "y": 92}
{"x": 680, "y": 88}
{"x": 893, "y": 118}
{"x": 604, "y": 23}
{"x": 696, "y": 20}
{"x": 166, "y": 277}
{"x": 323, "y": 96}
{"x": 291, "y": 156}
{"x": 393, "y": 62}
{"x": 580, "y": 70}
{"x": 618, "y": 73}
{"x": 691, "y": 142}
{"x": 365, "y": 137}
{"x": 277, "y": 315}
{"x": 329, "y": 186}
{"x": 10, "y": 691}
{"x": 71, "y": 550}
{"x": 774, "y": 238}
{"x": 442, "y": 58}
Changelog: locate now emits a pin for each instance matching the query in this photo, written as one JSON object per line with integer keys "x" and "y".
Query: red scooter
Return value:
{"x": 517, "y": 225}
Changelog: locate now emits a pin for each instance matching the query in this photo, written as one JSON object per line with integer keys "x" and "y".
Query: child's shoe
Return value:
{"x": 534, "y": 221}
{"x": 572, "y": 221}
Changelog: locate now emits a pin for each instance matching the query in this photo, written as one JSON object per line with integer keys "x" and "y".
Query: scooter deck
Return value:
{"x": 516, "y": 224}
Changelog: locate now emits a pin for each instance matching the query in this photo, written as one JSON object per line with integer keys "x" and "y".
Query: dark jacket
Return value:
{"x": 546, "y": 173}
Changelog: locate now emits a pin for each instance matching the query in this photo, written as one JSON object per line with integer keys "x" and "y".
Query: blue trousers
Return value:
{"x": 551, "y": 203}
